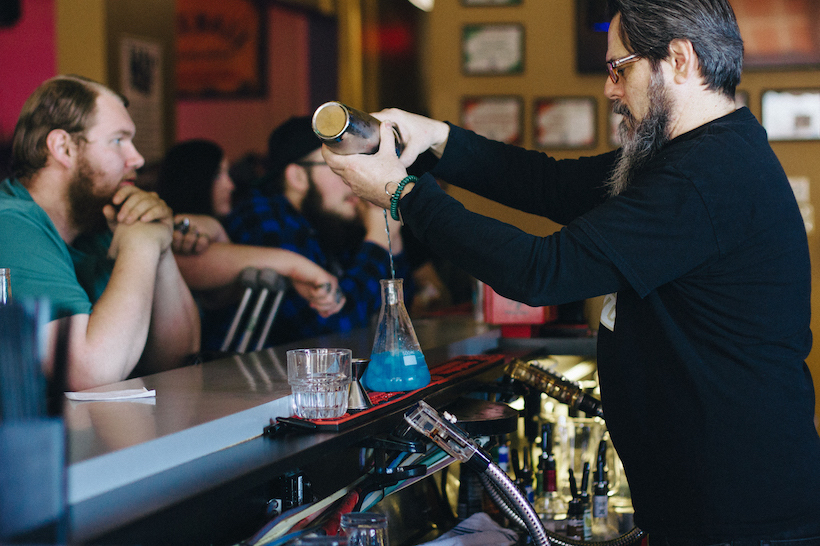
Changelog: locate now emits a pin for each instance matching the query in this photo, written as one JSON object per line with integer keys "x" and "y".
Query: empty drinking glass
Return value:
{"x": 320, "y": 382}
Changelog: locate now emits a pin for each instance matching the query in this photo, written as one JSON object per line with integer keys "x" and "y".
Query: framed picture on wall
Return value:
{"x": 497, "y": 117}
{"x": 220, "y": 48}
{"x": 492, "y": 49}
{"x": 791, "y": 114}
{"x": 779, "y": 33}
{"x": 564, "y": 122}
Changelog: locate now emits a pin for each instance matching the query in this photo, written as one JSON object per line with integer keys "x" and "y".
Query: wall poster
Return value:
{"x": 779, "y": 33}
{"x": 141, "y": 84}
{"x": 493, "y": 49}
{"x": 565, "y": 122}
{"x": 495, "y": 117}
{"x": 792, "y": 115}
{"x": 220, "y": 48}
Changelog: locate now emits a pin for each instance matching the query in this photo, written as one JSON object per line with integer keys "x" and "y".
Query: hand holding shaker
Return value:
{"x": 346, "y": 130}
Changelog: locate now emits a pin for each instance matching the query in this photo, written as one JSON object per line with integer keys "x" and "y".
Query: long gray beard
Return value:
{"x": 640, "y": 142}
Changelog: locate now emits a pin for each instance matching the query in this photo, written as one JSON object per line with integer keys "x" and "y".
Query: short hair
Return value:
{"x": 187, "y": 175}
{"x": 647, "y": 28}
{"x": 288, "y": 143}
{"x": 63, "y": 102}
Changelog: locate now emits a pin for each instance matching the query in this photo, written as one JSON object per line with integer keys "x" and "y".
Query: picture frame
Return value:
{"x": 497, "y": 117}
{"x": 791, "y": 114}
{"x": 220, "y": 49}
{"x": 565, "y": 122}
{"x": 492, "y": 49}
{"x": 779, "y": 33}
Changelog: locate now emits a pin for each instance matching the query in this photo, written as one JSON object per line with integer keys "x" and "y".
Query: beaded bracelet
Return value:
{"x": 394, "y": 201}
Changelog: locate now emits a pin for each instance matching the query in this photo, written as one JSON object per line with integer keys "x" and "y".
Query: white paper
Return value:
{"x": 127, "y": 394}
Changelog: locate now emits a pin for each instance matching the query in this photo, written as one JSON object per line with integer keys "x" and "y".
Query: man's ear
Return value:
{"x": 683, "y": 59}
{"x": 61, "y": 147}
{"x": 296, "y": 179}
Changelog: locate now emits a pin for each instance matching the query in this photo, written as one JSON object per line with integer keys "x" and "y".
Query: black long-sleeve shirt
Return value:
{"x": 707, "y": 397}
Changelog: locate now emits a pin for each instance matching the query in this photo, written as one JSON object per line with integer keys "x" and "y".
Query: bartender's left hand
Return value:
{"x": 367, "y": 175}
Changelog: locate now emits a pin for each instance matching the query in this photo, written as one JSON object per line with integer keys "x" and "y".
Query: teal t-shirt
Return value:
{"x": 42, "y": 264}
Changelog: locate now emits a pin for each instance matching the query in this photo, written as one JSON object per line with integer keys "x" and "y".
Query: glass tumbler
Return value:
{"x": 320, "y": 382}
{"x": 365, "y": 529}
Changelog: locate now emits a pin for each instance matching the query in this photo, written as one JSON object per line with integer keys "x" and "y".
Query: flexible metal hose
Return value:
{"x": 502, "y": 490}
{"x": 501, "y": 503}
{"x": 523, "y": 507}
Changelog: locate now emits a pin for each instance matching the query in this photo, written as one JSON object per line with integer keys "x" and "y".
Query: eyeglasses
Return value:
{"x": 613, "y": 66}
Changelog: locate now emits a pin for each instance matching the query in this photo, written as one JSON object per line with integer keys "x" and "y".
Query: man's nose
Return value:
{"x": 612, "y": 91}
{"x": 135, "y": 159}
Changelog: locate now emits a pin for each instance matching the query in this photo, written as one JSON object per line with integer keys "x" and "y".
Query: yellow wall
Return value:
{"x": 88, "y": 42}
{"x": 550, "y": 70}
{"x": 81, "y": 39}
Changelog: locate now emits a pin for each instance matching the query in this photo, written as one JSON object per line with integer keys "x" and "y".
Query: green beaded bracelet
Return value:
{"x": 394, "y": 201}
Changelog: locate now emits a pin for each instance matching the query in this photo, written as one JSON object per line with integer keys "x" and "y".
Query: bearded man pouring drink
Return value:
{"x": 692, "y": 231}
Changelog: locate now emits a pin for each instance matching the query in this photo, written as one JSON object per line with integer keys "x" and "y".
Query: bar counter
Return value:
{"x": 156, "y": 462}
{"x": 190, "y": 464}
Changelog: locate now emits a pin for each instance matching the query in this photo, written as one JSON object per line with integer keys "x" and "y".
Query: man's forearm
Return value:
{"x": 174, "y": 333}
{"x": 107, "y": 344}
{"x": 222, "y": 264}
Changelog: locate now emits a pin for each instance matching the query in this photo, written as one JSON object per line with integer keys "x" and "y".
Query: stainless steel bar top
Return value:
{"x": 202, "y": 410}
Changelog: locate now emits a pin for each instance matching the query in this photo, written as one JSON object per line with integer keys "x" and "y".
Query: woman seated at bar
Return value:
{"x": 193, "y": 179}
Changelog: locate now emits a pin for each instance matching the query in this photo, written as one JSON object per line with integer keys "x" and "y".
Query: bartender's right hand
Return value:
{"x": 418, "y": 133}
{"x": 368, "y": 174}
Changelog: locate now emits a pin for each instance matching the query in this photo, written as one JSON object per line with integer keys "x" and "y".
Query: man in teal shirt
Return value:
{"x": 75, "y": 230}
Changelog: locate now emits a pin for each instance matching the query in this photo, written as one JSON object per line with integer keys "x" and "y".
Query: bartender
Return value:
{"x": 692, "y": 232}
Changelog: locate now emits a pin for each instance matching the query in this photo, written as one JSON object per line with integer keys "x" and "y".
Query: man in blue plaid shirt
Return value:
{"x": 301, "y": 205}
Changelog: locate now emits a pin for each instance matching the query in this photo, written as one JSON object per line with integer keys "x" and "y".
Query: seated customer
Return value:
{"x": 74, "y": 229}
{"x": 193, "y": 179}
{"x": 304, "y": 207}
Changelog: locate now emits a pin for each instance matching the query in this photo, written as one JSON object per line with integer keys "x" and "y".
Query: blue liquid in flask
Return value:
{"x": 397, "y": 371}
{"x": 396, "y": 361}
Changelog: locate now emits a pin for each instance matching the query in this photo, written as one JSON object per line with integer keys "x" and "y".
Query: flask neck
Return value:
{"x": 392, "y": 291}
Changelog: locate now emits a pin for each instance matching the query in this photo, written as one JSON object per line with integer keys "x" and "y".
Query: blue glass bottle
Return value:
{"x": 396, "y": 362}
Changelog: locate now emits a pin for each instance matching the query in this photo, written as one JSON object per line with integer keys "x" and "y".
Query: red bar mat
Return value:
{"x": 458, "y": 368}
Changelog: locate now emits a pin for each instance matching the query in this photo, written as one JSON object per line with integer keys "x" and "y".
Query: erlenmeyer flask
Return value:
{"x": 396, "y": 362}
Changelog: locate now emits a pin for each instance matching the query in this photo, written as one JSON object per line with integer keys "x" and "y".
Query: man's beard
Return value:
{"x": 85, "y": 206}
{"x": 336, "y": 235}
{"x": 641, "y": 141}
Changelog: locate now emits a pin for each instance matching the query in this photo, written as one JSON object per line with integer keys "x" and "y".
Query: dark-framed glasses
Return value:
{"x": 613, "y": 66}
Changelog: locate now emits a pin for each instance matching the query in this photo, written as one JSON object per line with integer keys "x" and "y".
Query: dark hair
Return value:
{"x": 648, "y": 26}
{"x": 187, "y": 175}
{"x": 64, "y": 102}
{"x": 288, "y": 143}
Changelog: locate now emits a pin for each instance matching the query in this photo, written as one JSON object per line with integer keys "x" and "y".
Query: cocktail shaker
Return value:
{"x": 346, "y": 130}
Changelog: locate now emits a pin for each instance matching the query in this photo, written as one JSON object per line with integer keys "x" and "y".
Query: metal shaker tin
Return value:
{"x": 346, "y": 130}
